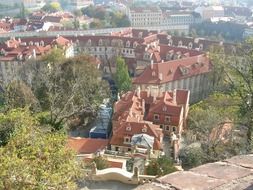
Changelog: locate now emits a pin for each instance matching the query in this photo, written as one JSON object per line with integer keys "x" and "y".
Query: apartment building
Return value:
{"x": 145, "y": 16}
{"x": 191, "y": 73}
{"x": 78, "y": 4}
{"x": 180, "y": 18}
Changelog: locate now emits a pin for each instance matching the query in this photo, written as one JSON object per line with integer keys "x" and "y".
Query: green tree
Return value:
{"x": 52, "y": 7}
{"x": 192, "y": 156}
{"x": 176, "y": 33}
{"x": 67, "y": 88}
{"x": 101, "y": 163}
{"x": 84, "y": 26}
{"x": 89, "y": 11}
{"x": 19, "y": 95}
{"x": 68, "y": 24}
{"x": 78, "y": 13}
{"x": 34, "y": 158}
{"x": 12, "y": 120}
{"x": 219, "y": 136}
{"x": 76, "y": 23}
{"x": 22, "y": 11}
{"x": 238, "y": 76}
{"x": 122, "y": 78}
{"x": 96, "y": 24}
{"x": 160, "y": 166}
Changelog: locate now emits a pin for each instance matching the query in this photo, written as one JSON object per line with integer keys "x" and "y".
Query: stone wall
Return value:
{"x": 232, "y": 174}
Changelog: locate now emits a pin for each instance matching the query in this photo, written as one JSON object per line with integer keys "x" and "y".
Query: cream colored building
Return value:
{"x": 145, "y": 16}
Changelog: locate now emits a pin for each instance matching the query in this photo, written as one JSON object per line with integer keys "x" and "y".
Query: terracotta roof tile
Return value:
{"x": 87, "y": 145}
{"x": 174, "y": 70}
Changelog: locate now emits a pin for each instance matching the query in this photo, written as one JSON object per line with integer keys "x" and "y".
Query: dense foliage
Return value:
{"x": 106, "y": 18}
{"x": 34, "y": 158}
{"x": 122, "y": 78}
{"x": 214, "y": 131}
{"x": 218, "y": 31}
{"x": 52, "y": 7}
{"x": 65, "y": 88}
{"x": 101, "y": 163}
{"x": 160, "y": 166}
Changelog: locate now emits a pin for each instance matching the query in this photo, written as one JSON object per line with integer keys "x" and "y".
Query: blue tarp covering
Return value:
{"x": 101, "y": 126}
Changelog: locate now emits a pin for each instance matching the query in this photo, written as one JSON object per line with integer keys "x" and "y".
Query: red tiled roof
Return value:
{"x": 86, "y": 145}
{"x": 136, "y": 128}
{"x": 56, "y": 19}
{"x": 61, "y": 41}
{"x": 172, "y": 70}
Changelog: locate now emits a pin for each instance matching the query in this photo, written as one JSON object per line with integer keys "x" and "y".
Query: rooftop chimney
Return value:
{"x": 34, "y": 53}
{"x": 148, "y": 92}
{"x": 143, "y": 106}
{"x": 160, "y": 76}
{"x": 152, "y": 64}
{"x": 174, "y": 96}
{"x": 139, "y": 92}
{"x": 154, "y": 93}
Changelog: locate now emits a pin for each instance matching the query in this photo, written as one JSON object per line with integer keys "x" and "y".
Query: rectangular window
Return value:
{"x": 167, "y": 127}
{"x": 167, "y": 119}
{"x": 156, "y": 117}
{"x": 127, "y": 140}
{"x": 174, "y": 129}
{"x": 116, "y": 148}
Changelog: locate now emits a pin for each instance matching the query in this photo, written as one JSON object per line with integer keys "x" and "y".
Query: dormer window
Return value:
{"x": 135, "y": 44}
{"x": 180, "y": 43}
{"x": 167, "y": 119}
{"x": 128, "y": 128}
{"x": 100, "y": 42}
{"x": 127, "y": 140}
{"x": 190, "y": 45}
{"x": 2, "y": 52}
{"x": 89, "y": 42}
{"x": 128, "y": 44}
{"x": 42, "y": 43}
{"x": 20, "y": 57}
{"x": 144, "y": 129}
{"x": 184, "y": 70}
{"x": 140, "y": 35}
{"x": 170, "y": 42}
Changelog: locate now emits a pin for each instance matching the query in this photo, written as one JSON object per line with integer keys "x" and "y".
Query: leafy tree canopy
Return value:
{"x": 122, "y": 78}
{"x": 67, "y": 88}
{"x": 33, "y": 158}
{"x": 52, "y": 7}
{"x": 19, "y": 95}
{"x": 160, "y": 166}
